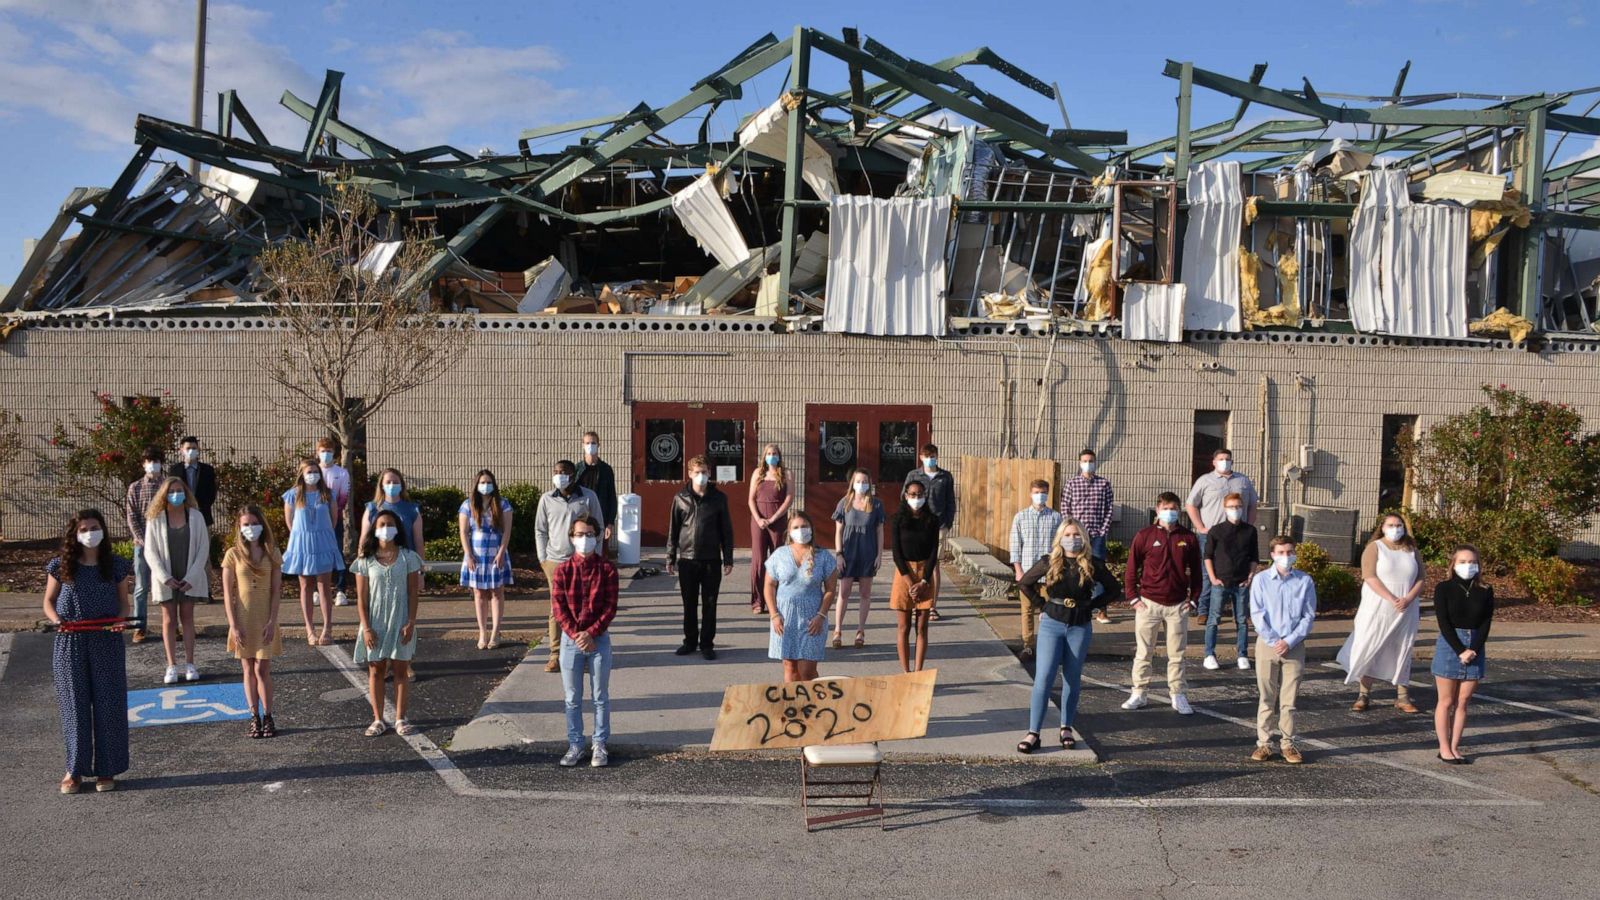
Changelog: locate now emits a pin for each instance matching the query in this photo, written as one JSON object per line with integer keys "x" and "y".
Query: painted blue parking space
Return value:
{"x": 188, "y": 705}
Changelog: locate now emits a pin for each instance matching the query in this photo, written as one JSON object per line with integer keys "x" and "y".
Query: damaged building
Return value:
{"x": 856, "y": 268}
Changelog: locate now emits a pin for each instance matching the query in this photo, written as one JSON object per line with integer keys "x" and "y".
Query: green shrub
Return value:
{"x": 123, "y": 549}
{"x": 441, "y": 509}
{"x": 1518, "y": 477}
{"x": 1551, "y": 580}
{"x": 103, "y": 455}
{"x": 1337, "y": 587}
{"x": 1116, "y": 553}
{"x": 442, "y": 549}
{"x": 1312, "y": 560}
{"x": 524, "y": 499}
{"x": 245, "y": 480}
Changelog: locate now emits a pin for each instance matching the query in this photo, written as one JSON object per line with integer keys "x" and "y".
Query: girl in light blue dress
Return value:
{"x": 388, "y": 586}
{"x": 800, "y": 585}
{"x": 313, "y": 552}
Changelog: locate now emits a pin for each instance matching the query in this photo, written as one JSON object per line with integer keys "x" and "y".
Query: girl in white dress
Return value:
{"x": 1379, "y": 647}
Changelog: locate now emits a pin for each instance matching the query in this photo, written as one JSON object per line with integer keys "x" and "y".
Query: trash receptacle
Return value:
{"x": 628, "y": 528}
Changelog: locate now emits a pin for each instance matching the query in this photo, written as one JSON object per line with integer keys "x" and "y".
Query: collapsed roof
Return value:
{"x": 1430, "y": 215}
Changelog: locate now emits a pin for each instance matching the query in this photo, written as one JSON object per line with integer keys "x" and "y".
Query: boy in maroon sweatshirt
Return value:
{"x": 583, "y": 596}
{"x": 1163, "y": 583}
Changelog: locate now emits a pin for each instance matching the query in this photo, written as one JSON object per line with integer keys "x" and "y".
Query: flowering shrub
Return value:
{"x": 246, "y": 480}
{"x": 1517, "y": 477}
{"x": 102, "y": 456}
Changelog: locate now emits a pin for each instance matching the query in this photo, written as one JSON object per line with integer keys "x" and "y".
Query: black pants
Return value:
{"x": 699, "y": 581}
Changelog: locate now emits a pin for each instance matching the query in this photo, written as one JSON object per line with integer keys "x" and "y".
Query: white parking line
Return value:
{"x": 1490, "y": 698}
{"x": 5, "y": 653}
{"x": 1366, "y": 756}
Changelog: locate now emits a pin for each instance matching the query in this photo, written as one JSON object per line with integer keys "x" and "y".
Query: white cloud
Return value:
{"x": 96, "y": 64}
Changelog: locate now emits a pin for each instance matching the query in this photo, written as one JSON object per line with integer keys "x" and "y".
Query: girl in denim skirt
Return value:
{"x": 1464, "y": 607}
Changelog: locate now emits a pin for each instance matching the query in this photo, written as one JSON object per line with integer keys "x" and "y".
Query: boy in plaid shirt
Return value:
{"x": 583, "y": 598}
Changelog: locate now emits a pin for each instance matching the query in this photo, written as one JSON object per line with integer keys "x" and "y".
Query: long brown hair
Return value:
{"x": 1406, "y": 542}
{"x": 761, "y": 466}
{"x": 1059, "y": 558}
{"x": 269, "y": 543}
{"x": 485, "y": 504}
{"x": 72, "y": 551}
{"x": 300, "y": 483}
{"x": 158, "y": 504}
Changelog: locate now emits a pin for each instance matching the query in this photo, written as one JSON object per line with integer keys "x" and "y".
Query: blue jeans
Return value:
{"x": 1064, "y": 647}
{"x": 339, "y": 573}
{"x": 141, "y": 583}
{"x": 1241, "y": 617}
{"x": 1097, "y": 547}
{"x": 574, "y": 663}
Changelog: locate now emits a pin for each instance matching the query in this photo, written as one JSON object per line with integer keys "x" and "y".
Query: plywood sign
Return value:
{"x": 826, "y": 711}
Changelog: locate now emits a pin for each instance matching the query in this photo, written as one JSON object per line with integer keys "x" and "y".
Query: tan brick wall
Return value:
{"x": 519, "y": 398}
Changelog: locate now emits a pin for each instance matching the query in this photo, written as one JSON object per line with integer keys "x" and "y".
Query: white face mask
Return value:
{"x": 700, "y": 479}
{"x": 1087, "y": 468}
{"x": 1465, "y": 571}
{"x": 861, "y": 487}
{"x": 313, "y": 478}
{"x": 325, "y": 457}
{"x": 250, "y": 532}
{"x": 800, "y": 535}
{"x": 486, "y": 488}
{"x": 1234, "y": 513}
{"x": 1072, "y": 543}
{"x": 91, "y": 538}
{"x": 583, "y": 544}
{"x": 1394, "y": 532}
{"x": 1040, "y": 498}
{"x": 1284, "y": 561}
{"x": 591, "y": 449}
{"x": 1223, "y": 466}
{"x": 152, "y": 468}
{"x": 561, "y": 481}
{"x": 1167, "y": 516}
{"x": 387, "y": 533}
{"x": 916, "y": 502}
{"x": 191, "y": 454}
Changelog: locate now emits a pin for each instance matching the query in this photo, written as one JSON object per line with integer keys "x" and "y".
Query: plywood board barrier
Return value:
{"x": 990, "y": 492}
{"x": 825, "y": 711}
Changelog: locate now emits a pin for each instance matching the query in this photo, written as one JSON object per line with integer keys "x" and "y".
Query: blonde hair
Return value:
{"x": 270, "y": 557}
{"x": 300, "y": 483}
{"x": 158, "y": 505}
{"x": 1058, "y": 556}
{"x": 761, "y": 466}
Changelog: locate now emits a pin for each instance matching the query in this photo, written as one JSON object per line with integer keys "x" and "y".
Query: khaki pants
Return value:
{"x": 1278, "y": 681}
{"x": 553, "y": 635}
{"x": 1030, "y": 622}
{"x": 1149, "y": 620}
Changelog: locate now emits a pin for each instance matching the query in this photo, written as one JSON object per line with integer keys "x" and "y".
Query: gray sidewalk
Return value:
{"x": 666, "y": 702}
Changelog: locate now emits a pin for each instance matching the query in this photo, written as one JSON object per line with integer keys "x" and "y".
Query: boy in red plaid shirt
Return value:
{"x": 583, "y": 597}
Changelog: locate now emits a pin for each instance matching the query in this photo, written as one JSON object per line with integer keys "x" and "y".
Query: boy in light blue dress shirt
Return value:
{"x": 1283, "y": 604}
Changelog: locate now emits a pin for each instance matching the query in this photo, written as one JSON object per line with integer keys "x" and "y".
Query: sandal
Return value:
{"x": 1029, "y": 743}
{"x": 837, "y": 642}
{"x": 1361, "y": 704}
{"x": 71, "y": 784}
{"x": 269, "y": 728}
{"x": 482, "y": 644}
{"x": 403, "y": 727}
{"x": 102, "y": 785}
{"x": 1067, "y": 740}
{"x": 377, "y": 727}
{"x": 861, "y": 640}
{"x": 493, "y": 643}
{"x": 255, "y": 725}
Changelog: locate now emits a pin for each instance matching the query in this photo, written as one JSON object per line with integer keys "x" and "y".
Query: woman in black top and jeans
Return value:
{"x": 1070, "y": 585}
{"x": 1464, "y": 607}
{"x": 915, "y": 537}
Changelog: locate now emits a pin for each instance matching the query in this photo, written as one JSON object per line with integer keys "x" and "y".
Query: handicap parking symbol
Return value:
{"x": 186, "y": 705}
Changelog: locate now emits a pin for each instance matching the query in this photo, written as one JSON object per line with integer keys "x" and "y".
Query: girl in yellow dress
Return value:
{"x": 252, "y": 589}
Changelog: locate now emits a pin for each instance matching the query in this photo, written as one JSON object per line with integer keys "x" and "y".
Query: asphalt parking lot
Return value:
{"x": 1174, "y": 809}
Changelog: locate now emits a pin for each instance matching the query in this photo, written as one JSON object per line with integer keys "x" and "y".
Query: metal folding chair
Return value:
{"x": 865, "y": 761}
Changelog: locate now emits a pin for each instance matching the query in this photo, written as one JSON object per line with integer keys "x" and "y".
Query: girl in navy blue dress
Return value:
{"x": 91, "y": 677}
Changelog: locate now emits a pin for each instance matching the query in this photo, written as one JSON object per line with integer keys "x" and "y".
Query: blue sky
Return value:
{"x": 73, "y": 73}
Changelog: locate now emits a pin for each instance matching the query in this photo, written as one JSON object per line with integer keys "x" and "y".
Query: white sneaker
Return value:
{"x": 574, "y": 755}
{"x": 1135, "y": 700}
{"x": 171, "y": 677}
{"x": 190, "y": 673}
{"x": 1211, "y": 663}
{"x": 1244, "y": 662}
{"x": 340, "y": 599}
{"x": 598, "y": 757}
{"x": 1181, "y": 704}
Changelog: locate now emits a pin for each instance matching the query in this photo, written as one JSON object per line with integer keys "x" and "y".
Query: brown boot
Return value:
{"x": 554, "y": 665}
{"x": 1291, "y": 755}
{"x": 1262, "y": 754}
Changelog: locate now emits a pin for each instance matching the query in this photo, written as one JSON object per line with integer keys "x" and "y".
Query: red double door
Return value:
{"x": 667, "y": 435}
{"x": 884, "y": 440}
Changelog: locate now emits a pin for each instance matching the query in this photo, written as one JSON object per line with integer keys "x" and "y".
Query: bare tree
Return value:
{"x": 357, "y": 335}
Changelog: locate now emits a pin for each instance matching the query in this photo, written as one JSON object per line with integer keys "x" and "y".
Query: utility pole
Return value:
{"x": 196, "y": 106}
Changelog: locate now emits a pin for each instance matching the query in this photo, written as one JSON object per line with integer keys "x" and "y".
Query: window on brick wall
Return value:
{"x": 1394, "y": 479}
{"x": 1210, "y": 435}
